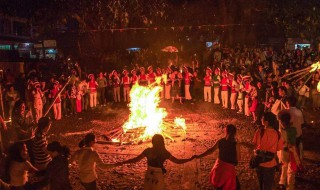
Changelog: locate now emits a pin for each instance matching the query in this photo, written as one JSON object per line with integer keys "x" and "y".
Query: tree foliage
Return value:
{"x": 297, "y": 18}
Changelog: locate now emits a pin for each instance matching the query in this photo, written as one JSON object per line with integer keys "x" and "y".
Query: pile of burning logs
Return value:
{"x": 120, "y": 137}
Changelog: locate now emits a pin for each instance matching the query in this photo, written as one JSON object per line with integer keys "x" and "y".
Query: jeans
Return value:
{"x": 265, "y": 177}
{"x": 301, "y": 101}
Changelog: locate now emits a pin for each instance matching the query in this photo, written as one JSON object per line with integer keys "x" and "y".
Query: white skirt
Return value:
{"x": 154, "y": 179}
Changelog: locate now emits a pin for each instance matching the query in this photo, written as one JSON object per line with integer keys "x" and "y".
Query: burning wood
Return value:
{"x": 146, "y": 117}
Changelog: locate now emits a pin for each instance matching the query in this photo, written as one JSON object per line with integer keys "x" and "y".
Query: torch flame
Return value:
{"x": 145, "y": 112}
{"x": 315, "y": 67}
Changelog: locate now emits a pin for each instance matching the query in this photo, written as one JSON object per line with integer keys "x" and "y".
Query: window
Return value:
{"x": 5, "y": 47}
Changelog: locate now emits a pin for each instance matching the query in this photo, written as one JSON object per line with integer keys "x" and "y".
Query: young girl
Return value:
{"x": 156, "y": 156}
{"x": 18, "y": 167}
{"x": 88, "y": 159}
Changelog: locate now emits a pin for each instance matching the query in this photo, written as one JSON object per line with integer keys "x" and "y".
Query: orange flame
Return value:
{"x": 315, "y": 67}
{"x": 115, "y": 140}
{"x": 180, "y": 122}
{"x": 318, "y": 86}
{"x": 145, "y": 112}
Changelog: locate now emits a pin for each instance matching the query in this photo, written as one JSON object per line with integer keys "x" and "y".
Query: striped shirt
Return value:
{"x": 39, "y": 150}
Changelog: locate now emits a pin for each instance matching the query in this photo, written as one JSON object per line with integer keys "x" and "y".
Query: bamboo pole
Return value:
{"x": 297, "y": 75}
{"x": 298, "y": 71}
{"x": 302, "y": 77}
{"x": 1, "y": 102}
{"x": 56, "y": 97}
{"x": 305, "y": 82}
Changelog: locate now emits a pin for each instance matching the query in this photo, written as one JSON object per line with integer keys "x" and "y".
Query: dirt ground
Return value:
{"x": 205, "y": 123}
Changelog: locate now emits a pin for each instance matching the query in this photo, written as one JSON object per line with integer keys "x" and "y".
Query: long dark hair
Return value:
{"x": 55, "y": 146}
{"x": 158, "y": 142}
{"x": 231, "y": 132}
{"x": 87, "y": 140}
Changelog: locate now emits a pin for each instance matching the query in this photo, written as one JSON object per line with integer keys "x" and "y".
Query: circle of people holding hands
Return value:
{"x": 277, "y": 142}
{"x": 274, "y": 104}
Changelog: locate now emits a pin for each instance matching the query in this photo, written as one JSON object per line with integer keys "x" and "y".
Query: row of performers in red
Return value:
{"x": 226, "y": 86}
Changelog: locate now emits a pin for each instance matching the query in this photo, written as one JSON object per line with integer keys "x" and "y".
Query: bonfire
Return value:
{"x": 146, "y": 116}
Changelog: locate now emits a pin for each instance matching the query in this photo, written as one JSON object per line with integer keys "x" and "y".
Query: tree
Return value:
{"x": 297, "y": 18}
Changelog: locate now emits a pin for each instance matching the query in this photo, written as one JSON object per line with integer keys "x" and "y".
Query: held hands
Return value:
{"x": 109, "y": 166}
{"x": 194, "y": 156}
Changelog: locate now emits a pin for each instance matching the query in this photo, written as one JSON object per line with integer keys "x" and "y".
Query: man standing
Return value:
{"x": 297, "y": 120}
{"x": 240, "y": 94}
{"x": 116, "y": 86}
{"x": 216, "y": 86}
{"x": 234, "y": 91}
{"x": 288, "y": 156}
{"x": 102, "y": 84}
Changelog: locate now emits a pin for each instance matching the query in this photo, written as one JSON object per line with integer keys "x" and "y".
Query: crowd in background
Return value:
{"x": 242, "y": 79}
{"x": 247, "y": 80}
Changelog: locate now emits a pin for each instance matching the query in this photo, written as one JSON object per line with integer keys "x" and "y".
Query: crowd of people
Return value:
{"x": 247, "y": 81}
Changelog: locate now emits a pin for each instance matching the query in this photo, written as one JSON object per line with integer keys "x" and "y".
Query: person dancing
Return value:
{"x": 156, "y": 156}
{"x": 223, "y": 173}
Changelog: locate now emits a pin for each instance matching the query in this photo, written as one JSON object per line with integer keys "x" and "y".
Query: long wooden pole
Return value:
{"x": 2, "y": 107}
{"x": 305, "y": 82}
{"x": 293, "y": 73}
{"x": 297, "y": 75}
{"x": 56, "y": 97}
